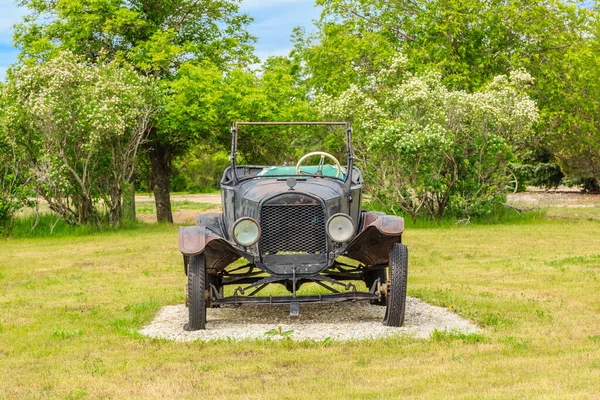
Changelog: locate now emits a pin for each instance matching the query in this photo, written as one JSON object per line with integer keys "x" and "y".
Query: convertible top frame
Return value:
{"x": 346, "y": 125}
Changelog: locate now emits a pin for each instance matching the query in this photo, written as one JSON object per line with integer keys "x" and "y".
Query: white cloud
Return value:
{"x": 3, "y": 73}
{"x": 264, "y": 54}
{"x": 278, "y": 22}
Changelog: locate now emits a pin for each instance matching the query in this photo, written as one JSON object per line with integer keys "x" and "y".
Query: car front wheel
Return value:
{"x": 196, "y": 293}
{"x": 396, "y": 296}
{"x": 370, "y": 277}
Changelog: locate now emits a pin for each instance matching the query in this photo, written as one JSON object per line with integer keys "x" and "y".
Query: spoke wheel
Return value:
{"x": 196, "y": 293}
{"x": 512, "y": 185}
{"x": 396, "y": 296}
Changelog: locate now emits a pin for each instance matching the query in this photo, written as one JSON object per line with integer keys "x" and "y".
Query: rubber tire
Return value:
{"x": 396, "y": 298}
{"x": 370, "y": 277}
{"x": 196, "y": 289}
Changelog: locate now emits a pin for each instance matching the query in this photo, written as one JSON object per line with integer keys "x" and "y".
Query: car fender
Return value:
{"x": 377, "y": 235}
{"x": 192, "y": 240}
{"x": 207, "y": 240}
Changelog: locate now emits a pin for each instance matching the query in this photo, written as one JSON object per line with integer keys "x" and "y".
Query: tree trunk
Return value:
{"x": 160, "y": 165}
{"x": 591, "y": 185}
{"x": 114, "y": 213}
{"x": 129, "y": 202}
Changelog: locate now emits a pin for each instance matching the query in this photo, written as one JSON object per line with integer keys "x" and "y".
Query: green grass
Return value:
{"x": 50, "y": 225}
{"x": 448, "y": 336}
{"x": 71, "y": 307}
{"x": 206, "y": 191}
{"x": 500, "y": 215}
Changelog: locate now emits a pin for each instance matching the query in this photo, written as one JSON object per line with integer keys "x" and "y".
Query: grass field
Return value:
{"x": 70, "y": 309}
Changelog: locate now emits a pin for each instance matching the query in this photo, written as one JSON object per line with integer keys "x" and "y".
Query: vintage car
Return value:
{"x": 294, "y": 225}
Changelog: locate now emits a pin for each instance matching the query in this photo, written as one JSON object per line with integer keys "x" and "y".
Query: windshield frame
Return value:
{"x": 234, "y": 147}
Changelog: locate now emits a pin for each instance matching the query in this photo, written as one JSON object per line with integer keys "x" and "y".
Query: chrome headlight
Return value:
{"x": 340, "y": 228}
{"x": 246, "y": 231}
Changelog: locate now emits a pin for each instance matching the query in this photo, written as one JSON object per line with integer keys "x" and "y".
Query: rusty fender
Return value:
{"x": 378, "y": 234}
{"x": 218, "y": 251}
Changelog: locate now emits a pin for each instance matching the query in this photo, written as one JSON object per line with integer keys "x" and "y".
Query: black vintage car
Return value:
{"x": 294, "y": 225}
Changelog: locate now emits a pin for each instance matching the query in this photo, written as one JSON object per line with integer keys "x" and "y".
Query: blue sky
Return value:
{"x": 273, "y": 24}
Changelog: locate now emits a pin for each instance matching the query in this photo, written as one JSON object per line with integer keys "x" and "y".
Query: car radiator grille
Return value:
{"x": 293, "y": 229}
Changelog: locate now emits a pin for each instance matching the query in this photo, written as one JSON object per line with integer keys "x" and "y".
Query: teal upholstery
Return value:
{"x": 328, "y": 170}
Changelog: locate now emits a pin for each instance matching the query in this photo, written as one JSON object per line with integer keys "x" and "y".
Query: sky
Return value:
{"x": 274, "y": 21}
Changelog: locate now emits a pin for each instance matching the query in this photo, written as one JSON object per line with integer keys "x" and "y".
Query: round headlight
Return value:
{"x": 340, "y": 228}
{"x": 246, "y": 231}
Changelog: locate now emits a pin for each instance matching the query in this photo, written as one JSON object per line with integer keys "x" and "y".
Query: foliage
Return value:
{"x": 537, "y": 167}
{"x": 156, "y": 38}
{"x": 573, "y": 122}
{"x": 50, "y": 225}
{"x": 431, "y": 151}
{"x": 200, "y": 170}
{"x": 14, "y": 189}
{"x": 204, "y": 100}
{"x": 468, "y": 43}
{"x": 79, "y": 128}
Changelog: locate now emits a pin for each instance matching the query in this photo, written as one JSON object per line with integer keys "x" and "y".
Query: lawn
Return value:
{"x": 70, "y": 309}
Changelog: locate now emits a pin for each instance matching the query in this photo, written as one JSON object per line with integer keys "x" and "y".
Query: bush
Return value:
{"x": 14, "y": 190}
{"x": 200, "y": 170}
{"x": 78, "y": 128}
{"x": 429, "y": 151}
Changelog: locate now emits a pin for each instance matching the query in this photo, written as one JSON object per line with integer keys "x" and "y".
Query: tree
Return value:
{"x": 205, "y": 100}
{"x": 14, "y": 179}
{"x": 156, "y": 37}
{"x": 427, "y": 150}
{"x": 573, "y": 120}
{"x": 468, "y": 42}
{"x": 78, "y": 128}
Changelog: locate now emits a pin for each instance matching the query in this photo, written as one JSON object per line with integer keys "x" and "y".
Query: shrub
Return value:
{"x": 430, "y": 151}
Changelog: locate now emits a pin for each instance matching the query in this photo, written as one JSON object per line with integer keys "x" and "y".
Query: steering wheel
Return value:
{"x": 320, "y": 168}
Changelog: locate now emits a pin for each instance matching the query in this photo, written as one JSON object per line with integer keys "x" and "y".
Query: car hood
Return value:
{"x": 258, "y": 189}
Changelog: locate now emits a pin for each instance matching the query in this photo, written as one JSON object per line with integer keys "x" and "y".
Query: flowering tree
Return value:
{"x": 156, "y": 37}
{"x": 79, "y": 127}
{"x": 430, "y": 151}
{"x": 13, "y": 179}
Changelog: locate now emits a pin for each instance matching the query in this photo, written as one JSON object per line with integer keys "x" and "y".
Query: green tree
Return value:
{"x": 155, "y": 36}
{"x": 14, "y": 177}
{"x": 573, "y": 119}
{"x": 469, "y": 42}
{"x": 427, "y": 150}
{"x": 77, "y": 128}
{"x": 203, "y": 99}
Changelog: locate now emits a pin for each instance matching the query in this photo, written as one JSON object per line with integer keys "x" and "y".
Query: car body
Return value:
{"x": 294, "y": 225}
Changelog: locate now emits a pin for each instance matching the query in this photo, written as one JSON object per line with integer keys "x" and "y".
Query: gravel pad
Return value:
{"x": 337, "y": 321}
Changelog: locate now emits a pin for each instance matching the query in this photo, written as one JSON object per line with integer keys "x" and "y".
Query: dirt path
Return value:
{"x": 557, "y": 202}
{"x": 209, "y": 198}
{"x": 555, "y": 199}
{"x": 565, "y": 197}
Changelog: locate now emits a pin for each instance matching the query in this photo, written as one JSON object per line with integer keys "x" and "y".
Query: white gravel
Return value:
{"x": 337, "y": 321}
